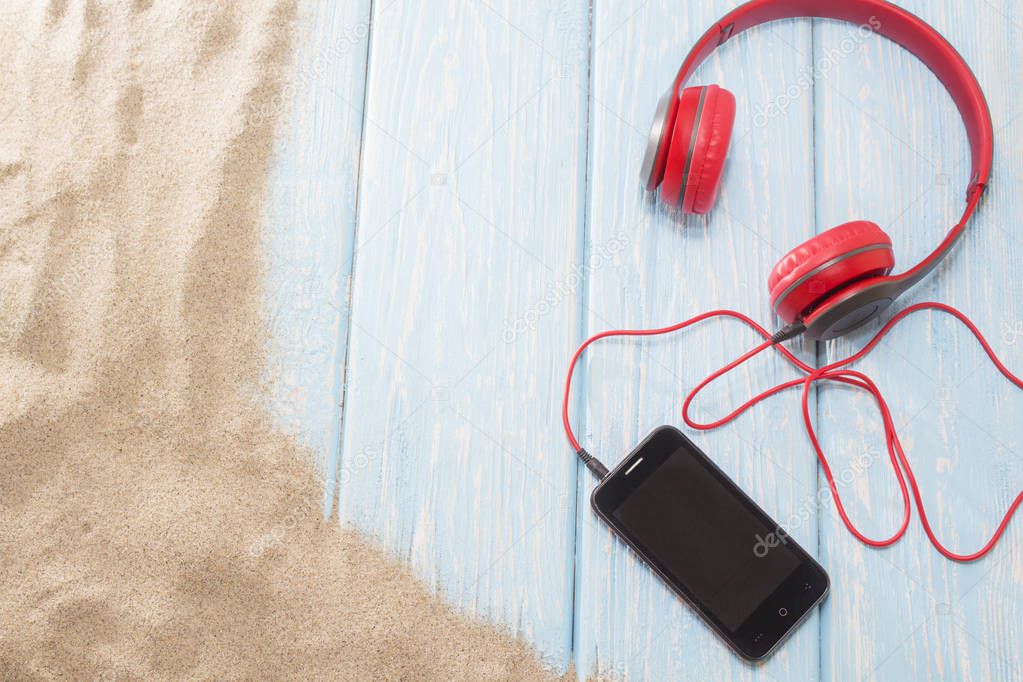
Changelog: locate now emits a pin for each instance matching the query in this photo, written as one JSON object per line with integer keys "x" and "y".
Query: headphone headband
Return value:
{"x": 887, "y": 20}
{"x": 910, "y": 32}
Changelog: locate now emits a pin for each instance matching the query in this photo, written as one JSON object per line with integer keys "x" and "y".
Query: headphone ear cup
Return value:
{"x": 699, "y": 143}
{"x": 824, "y": 264}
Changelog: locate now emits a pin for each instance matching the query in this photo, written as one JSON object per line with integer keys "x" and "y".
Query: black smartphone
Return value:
{"x": 710, "y": 542}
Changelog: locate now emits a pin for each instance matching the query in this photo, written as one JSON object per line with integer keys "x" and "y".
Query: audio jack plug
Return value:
{"x": 788, "y": 332}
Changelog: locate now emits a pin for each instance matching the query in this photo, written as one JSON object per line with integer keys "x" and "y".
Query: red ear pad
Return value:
{"x": 715, "y": 132}
{"x": 675, "y": 169}
{"x": 824, "y": 264}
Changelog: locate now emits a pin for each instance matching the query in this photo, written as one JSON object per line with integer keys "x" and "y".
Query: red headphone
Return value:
{"x": 839, "y": 279}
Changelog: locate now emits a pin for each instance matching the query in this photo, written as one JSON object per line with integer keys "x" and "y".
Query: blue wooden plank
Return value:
{"x": 463, "y": 306}
{"x": 891, "y": 148}
{"x": 627, "y": 622}
{"x": 311, "y": 225}
{"x": 467, "y": 302}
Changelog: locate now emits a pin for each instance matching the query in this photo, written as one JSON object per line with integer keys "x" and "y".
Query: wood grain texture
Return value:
{"x": 311, "y": 214}
{"x": 891, "y": 148}
{"x": 477, "y": 161}
{"x": 628, "y": 623}
{"x": 470, "y": 220}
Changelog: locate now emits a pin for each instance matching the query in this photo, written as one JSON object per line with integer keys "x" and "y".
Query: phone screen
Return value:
{"x": 706, "y": 537}
{"x": 710, "y": 541}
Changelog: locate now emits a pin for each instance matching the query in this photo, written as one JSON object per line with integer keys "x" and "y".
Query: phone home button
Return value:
{"x": 783, "y": 612}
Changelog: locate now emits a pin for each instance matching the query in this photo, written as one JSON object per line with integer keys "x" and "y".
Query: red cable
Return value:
{"x": 835, "y": 371}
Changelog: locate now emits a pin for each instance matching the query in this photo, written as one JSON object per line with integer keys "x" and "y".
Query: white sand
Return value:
{"x": 152, "y": 524}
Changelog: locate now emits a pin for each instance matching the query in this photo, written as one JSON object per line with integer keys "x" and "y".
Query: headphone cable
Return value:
{"x": 835, "y": 371}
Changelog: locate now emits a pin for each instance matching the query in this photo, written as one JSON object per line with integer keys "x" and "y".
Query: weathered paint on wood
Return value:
{"x": 891, "y": 147}
{"x": 470, "y": 207}
{"x": 312, "y": 212}
{"x": 469, "y": 169}
{"x": 627, "y": 622}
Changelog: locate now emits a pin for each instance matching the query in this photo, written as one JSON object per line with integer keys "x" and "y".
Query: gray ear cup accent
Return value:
{"x": 656, "y": 142}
